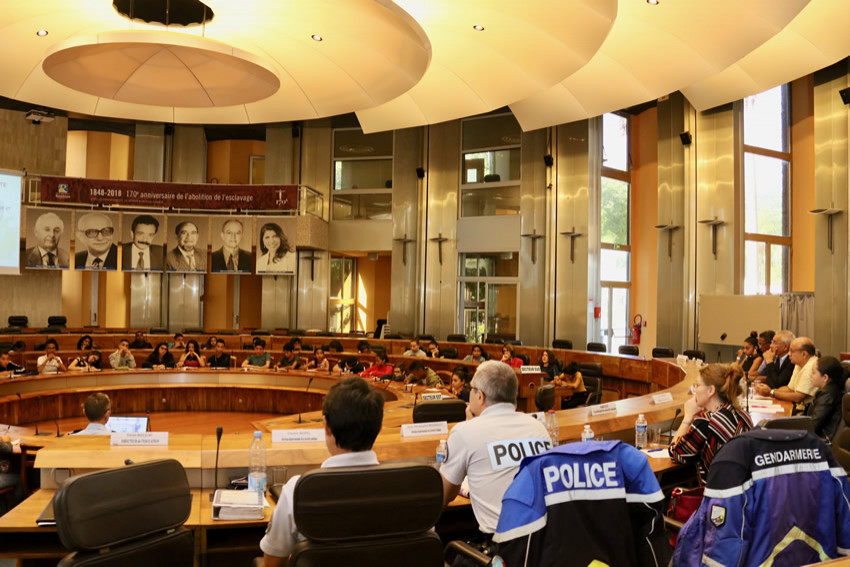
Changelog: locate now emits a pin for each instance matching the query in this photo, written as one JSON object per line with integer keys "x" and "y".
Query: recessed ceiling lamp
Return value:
{"x": 478, "y": 27}
{"x": 41, "y": 33}
{"x": 317, "y": 37}
{"x": 652, "y": 2}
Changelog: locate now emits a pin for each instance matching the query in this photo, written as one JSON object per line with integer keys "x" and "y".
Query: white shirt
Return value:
{"x": 282, "y": 534}
{"x": 51, "y": 367}
{"x": 419, "y": 352}
{"x": 801, "y": 380}
{"x": 134, "y": 257}
{"x": 45, "y": 259}
{"x": 91, "y": 258}
{"x": 94, "y": 429}
{"x": 488, "y": 449}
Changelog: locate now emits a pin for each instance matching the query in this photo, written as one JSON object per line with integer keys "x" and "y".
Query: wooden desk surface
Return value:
{"x": 23, "y": 516}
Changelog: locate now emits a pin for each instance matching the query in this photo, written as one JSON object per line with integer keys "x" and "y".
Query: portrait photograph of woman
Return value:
{"x": 276, "y": 250}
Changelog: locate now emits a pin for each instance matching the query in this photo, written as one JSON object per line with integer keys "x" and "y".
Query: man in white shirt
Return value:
{"x": 49, "y": 362}
{"x": 488, "y": 447}
{"x": 122, "y": 358}
{"x": 800, "y": 389}
{"x": 142, "y": 254}
{"x": 353, "y": 414}
{"x": 414, "y": 349}
{"x": 96, "y": 251}
{"x": 98, "y": 408}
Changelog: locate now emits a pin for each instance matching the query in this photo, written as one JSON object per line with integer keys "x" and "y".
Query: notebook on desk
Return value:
{"x": 46, "y": 519}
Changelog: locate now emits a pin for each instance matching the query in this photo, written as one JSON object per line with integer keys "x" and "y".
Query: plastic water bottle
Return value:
{"x": 640, "y": 432}
{"x": 587, "y": 434}
{"x": 553, "y": 427}
{"x": 257, "y": 472}
{"x": 442, "y": 454}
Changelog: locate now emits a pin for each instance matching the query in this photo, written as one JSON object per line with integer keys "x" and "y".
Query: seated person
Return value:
{"x": 764, "y": 340}
{"x": 508, "y": 356}
{"x": 49, "y": 362}
{"x": 572, "y": 378}
{"x": 6, "y": 364}
{"x": 160, "y": 358}
{"x": 433, "y": 349}
{"x": 211, "y": 342}
{"x": 179, "y": 342}
{"x": 799, "y": 389}
{"x": 353, "y": 413}
{"x": 418, "y": 373}
{"x": 749, "y": 356}
{"x": 297, "y": 346}
{"x": 140, "y": 341}
{"x": 98, "y": 409}
{"x": 260, "y": 359}
{"x": 122, "y": 358}
{"x": 414, "y": 349}
{"x": 289, "y": 360}
{"x": 90, "y": 362}
{"x": 85, "y": 344}
{"x": 318, "y": 362}
{"x": 712, "y": 417}
{"x": 459, "y": 386}
{"x": 192, "y": 358}
{"x": 363, "y": 347}
{"x": 825, "y": 409}
{"x": 549, "y": 364}
{"x": 220, "y": 359}
{"x": 381, "y": 368}
{"x": 398, "y": 373}
{"x": 19, "y": 346}
{"x": 477, "y": 354}
{"x": 7, "y": 476}
{"x": 776, "y": 368}
{"x": 349, "y": 365}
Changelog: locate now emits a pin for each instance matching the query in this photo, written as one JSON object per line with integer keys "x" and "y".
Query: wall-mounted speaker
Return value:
{"x": 845, "y": 95}
{"x": 296, "y": 130}
{"x": 420, "y": 172}
{"x": 548, "y": 160}
{"x": 686, "y": 138}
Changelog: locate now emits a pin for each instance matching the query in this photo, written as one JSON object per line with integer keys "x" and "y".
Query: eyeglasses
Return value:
{"x": 93, "y": 232}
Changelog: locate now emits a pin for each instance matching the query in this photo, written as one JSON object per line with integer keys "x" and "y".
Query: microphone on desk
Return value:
{"x": 307, "y": 389}
{"x": 129, "y": 462}
{"x": 218, "y": 431}
{"x": 57, "y": 429}
{"x": 415, "y": 397}
{"x": 148, "y": 414}
{"x": 671, "y": 433}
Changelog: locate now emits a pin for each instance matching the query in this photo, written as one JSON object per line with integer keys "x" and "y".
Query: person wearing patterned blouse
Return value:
{"x": 712, "y": 417}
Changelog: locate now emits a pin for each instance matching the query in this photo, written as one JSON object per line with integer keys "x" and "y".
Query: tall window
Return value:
{"x": 488, "y": 295}
{"x": 342, "y": 298}
{"x": 615, "y": 252}
{"x": 767, "y": 192}
{"x": 362, "y": 175}
{"x": 491, "y": 166}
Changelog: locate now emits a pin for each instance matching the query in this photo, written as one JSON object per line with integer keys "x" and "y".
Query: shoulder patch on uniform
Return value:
{"x": 718, "y": 515}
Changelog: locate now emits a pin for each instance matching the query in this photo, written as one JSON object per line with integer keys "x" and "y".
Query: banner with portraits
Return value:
{"x": 230, "y": 240}
{"x": 48, "y": 238}
{"x": 186, "y": 244}
{"x": 142, "y": 242}
{"x": 95, "y": 240}
{"x": 276, "y": 245}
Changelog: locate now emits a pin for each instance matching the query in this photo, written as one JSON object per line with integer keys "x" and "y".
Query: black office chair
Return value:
{"x": 228, "y": 332}
{"x": 126, "y": 516}
{"x": 544, "y": 398}
{"x": 324, "y": 334}
{"x": 631, "y": 350}
{"x": 841, "y": 449}
{"x": 395, "y": 336}
{"x": 51, "y": 330}
{"x": 336, "y": 346}
{"x": 515, "y": 342}
{"x": 297, "y": 332}
{"x": 590, "y": 369}
{"x": 11, "y": 331}
{"x": 6, "y": 346}
{"x": 57, "y": 321}
{"x": 494, "y": 341}
{"x": 523, "y": 357}
{"x": 663, "y": 352}
{"x": 158, "y": 331}
{"x": 456, "y": 338}
{"x": 448, "y": 352}
{"x": 562, "y": 343}
{"x": 797, "y": 422}
{"x": 596, "y": 347}
{"x": 379, "y": 325}
{"x": 260, "y": 332}
{"x": 593, "y": 385}
{"x": 194, "y": 331}
{"x": 18, "y": 321}
{"x": 373, "y": 515}
{"x": 426, "y": 338}
{"x": 692, "y": 353}
{"x": 452, "y": 411}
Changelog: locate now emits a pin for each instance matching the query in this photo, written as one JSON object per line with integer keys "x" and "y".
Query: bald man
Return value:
{"x": 800, "y": 389}
{"x": 230, "y": 257}
{"x": 46, "y": 253}
{"x": 96, "y": 249}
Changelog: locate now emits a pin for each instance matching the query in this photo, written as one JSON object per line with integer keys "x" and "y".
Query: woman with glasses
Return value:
{"x": 712, "y": 417}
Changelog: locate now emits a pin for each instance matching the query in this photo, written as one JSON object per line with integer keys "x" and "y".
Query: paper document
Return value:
{"x": 657, "y": 453}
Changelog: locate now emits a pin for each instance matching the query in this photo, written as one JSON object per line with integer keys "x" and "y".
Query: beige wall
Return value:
{"x": 802, "y": 185}
{"x": 229, "y": 161}
{"x": 373, "y": 291}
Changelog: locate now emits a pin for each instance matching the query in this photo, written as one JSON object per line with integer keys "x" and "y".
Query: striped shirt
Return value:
{"x": 707, "y": 434}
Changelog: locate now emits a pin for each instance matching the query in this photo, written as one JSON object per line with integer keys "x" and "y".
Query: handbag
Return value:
{"x": 683, "y": 503}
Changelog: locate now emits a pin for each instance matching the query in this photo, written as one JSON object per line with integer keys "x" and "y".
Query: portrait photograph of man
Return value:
{"x": 47, "y": 243}
{"x": 187, "y": 243}
{"x": 95, "y": 241}
{"x": 231, "y": 244}
{"x": 142, "y": 246}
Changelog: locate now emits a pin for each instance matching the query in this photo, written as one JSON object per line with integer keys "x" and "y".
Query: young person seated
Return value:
{"x": 49, "y": 362}
{"x": 399, "y": 373}
{"x": 353, "y": 414}
{"x": 160, "y": 358}
{"x": 349, "y": 365}
{"x": 192, "y": 358}
{"x": 749, "y": 356}
{"x": 297, "y": 347}
{"x": 90, "y": 362}
{"x": 712, "y": 417}
{"x": 97, "y": 408}
{"x": 508, "y": 356}
{"x": 549, "y": 364}
{"x": 825, "y": 409}
{"x": 318, "y": 362}
{"x": 220, "y": 359}
{"x": 571, "y": 377}
{"x": 211, "y": 342}
{"x": 122, "y": 357}
{"x": 9, "y": 477}
{"x": 414, "y": 349}
{"x": 363, "y": 347}
{"x": 418, "y": 373}
{"x": 140, "y": 341}
{"x": 85, "y": 344}
{"x": 289, "y": 360}
{"x": 459, "y": 386}
{"x": 477, "y": 354}
{"x": 433, "y": 349}
{"x": 179, "y": 342}
{"x": 260, "y": 359}
{"x": 381, "y": 368}
{"x": 6, "y": 365}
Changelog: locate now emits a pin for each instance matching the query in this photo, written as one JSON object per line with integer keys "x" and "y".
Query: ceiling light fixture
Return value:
{"x": 317, "y": 37}
{"x": 41, "y": 33}
{"x": 652, "y": 2}
{"x": 478, "y": 27}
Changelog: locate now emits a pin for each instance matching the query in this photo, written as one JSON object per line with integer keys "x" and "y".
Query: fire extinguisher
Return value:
{"x": 638, "y": 322}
